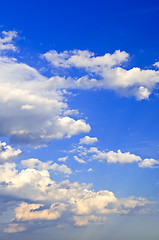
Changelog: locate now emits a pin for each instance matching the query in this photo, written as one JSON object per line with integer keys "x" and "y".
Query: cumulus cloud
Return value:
{"x": 32, "y": 112}
{"x": 93, "y": 153}
{"x": 88, "y": 140}
{"x": 28, "y": 212}
{"x": 149, "y": 163}
{"x": 44, "y": 199}
{"x": 6, "y": 42}
{"x": 107, "y": 70}
{"x": 49, "y": 165}
{"x": 123, "y": 158}
{"x": 7, "y": 153}
{"x": 86, "y": 59}
{"x": 114, "y": 157}
{"x": 110, "y": 157}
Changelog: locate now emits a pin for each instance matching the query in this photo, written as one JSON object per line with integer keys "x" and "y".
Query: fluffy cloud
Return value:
{"x": 123, "y": 158}
{"x": 86, "y": 59}
{"x": 104, "y": 202}
{"x": 106, "y": 156}
{"x": 93, "y": 153}
{"x": 7, "y": 153}
{"x": 6, "y": 42}
{"x": 32, "y": 112}
{"x": 114, "y": 157}
{"x": 39, "y": 165}
{"x": 44, "y": 199}
{"x": 88, "y": 140}
{"x": 107, "y": 71}
{"x": 149, "y": 163}
{"x": 28, "y": 212}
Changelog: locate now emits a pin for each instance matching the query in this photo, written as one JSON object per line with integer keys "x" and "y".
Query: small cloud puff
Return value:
{"x": 79, "y": 160}
{"x": 62, "y": 159}
{"x": 6, "y": 43}
{"x": 88, "y": 140}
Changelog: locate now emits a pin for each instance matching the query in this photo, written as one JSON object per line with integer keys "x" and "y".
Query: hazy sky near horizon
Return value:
{"x": 79, "y": 147}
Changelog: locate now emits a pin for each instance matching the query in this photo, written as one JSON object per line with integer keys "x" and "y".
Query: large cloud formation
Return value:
{"x": 41, "y": 198}
{"x": 32, "y": 112}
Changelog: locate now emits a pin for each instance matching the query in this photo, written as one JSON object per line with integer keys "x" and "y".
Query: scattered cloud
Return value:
{"x": 79, "y": 160}
{"x": 107, "y": 73}
{"x": 110, "y": 157}
{"x": 34, "y": 110}
{"x": 90, "y": 170}
{"x": 6, "y": 42}
{"x": 88, "y": 140}
{"x": 63, "y": 159}
{"x": 114, "y": 157}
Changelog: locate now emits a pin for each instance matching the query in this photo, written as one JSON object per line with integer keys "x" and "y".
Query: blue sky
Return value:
{"x": 79, "y": 148}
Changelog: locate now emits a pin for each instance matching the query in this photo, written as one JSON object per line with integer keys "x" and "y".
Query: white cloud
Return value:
{"x": 63, "y": 159}
{"x": 79, "y": 200}
{"x": 86, "y": 59}
{"x": 39, "y": 165}
{"x": 149, "y": 163}
{"x": 79, "y": 160}
{"x": 7, "y": 153}
{"x": 114, "y": 157}
{"x": 28, "y": 212}
{"x": 156, "y": 64}
{"x": 60, "y": 168}
{"x": 88, "y": 140}
{"x": 104, "y": 202}
{"x": 90, "y": 170}
{"x": 108, "y": 73}
{"x": 32, "y": 112}
{"x": 27, "y": 107}
{"x": 93, "y": 153}
{"x": 6, "y": 43}
{"x": 92, "y": 202}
